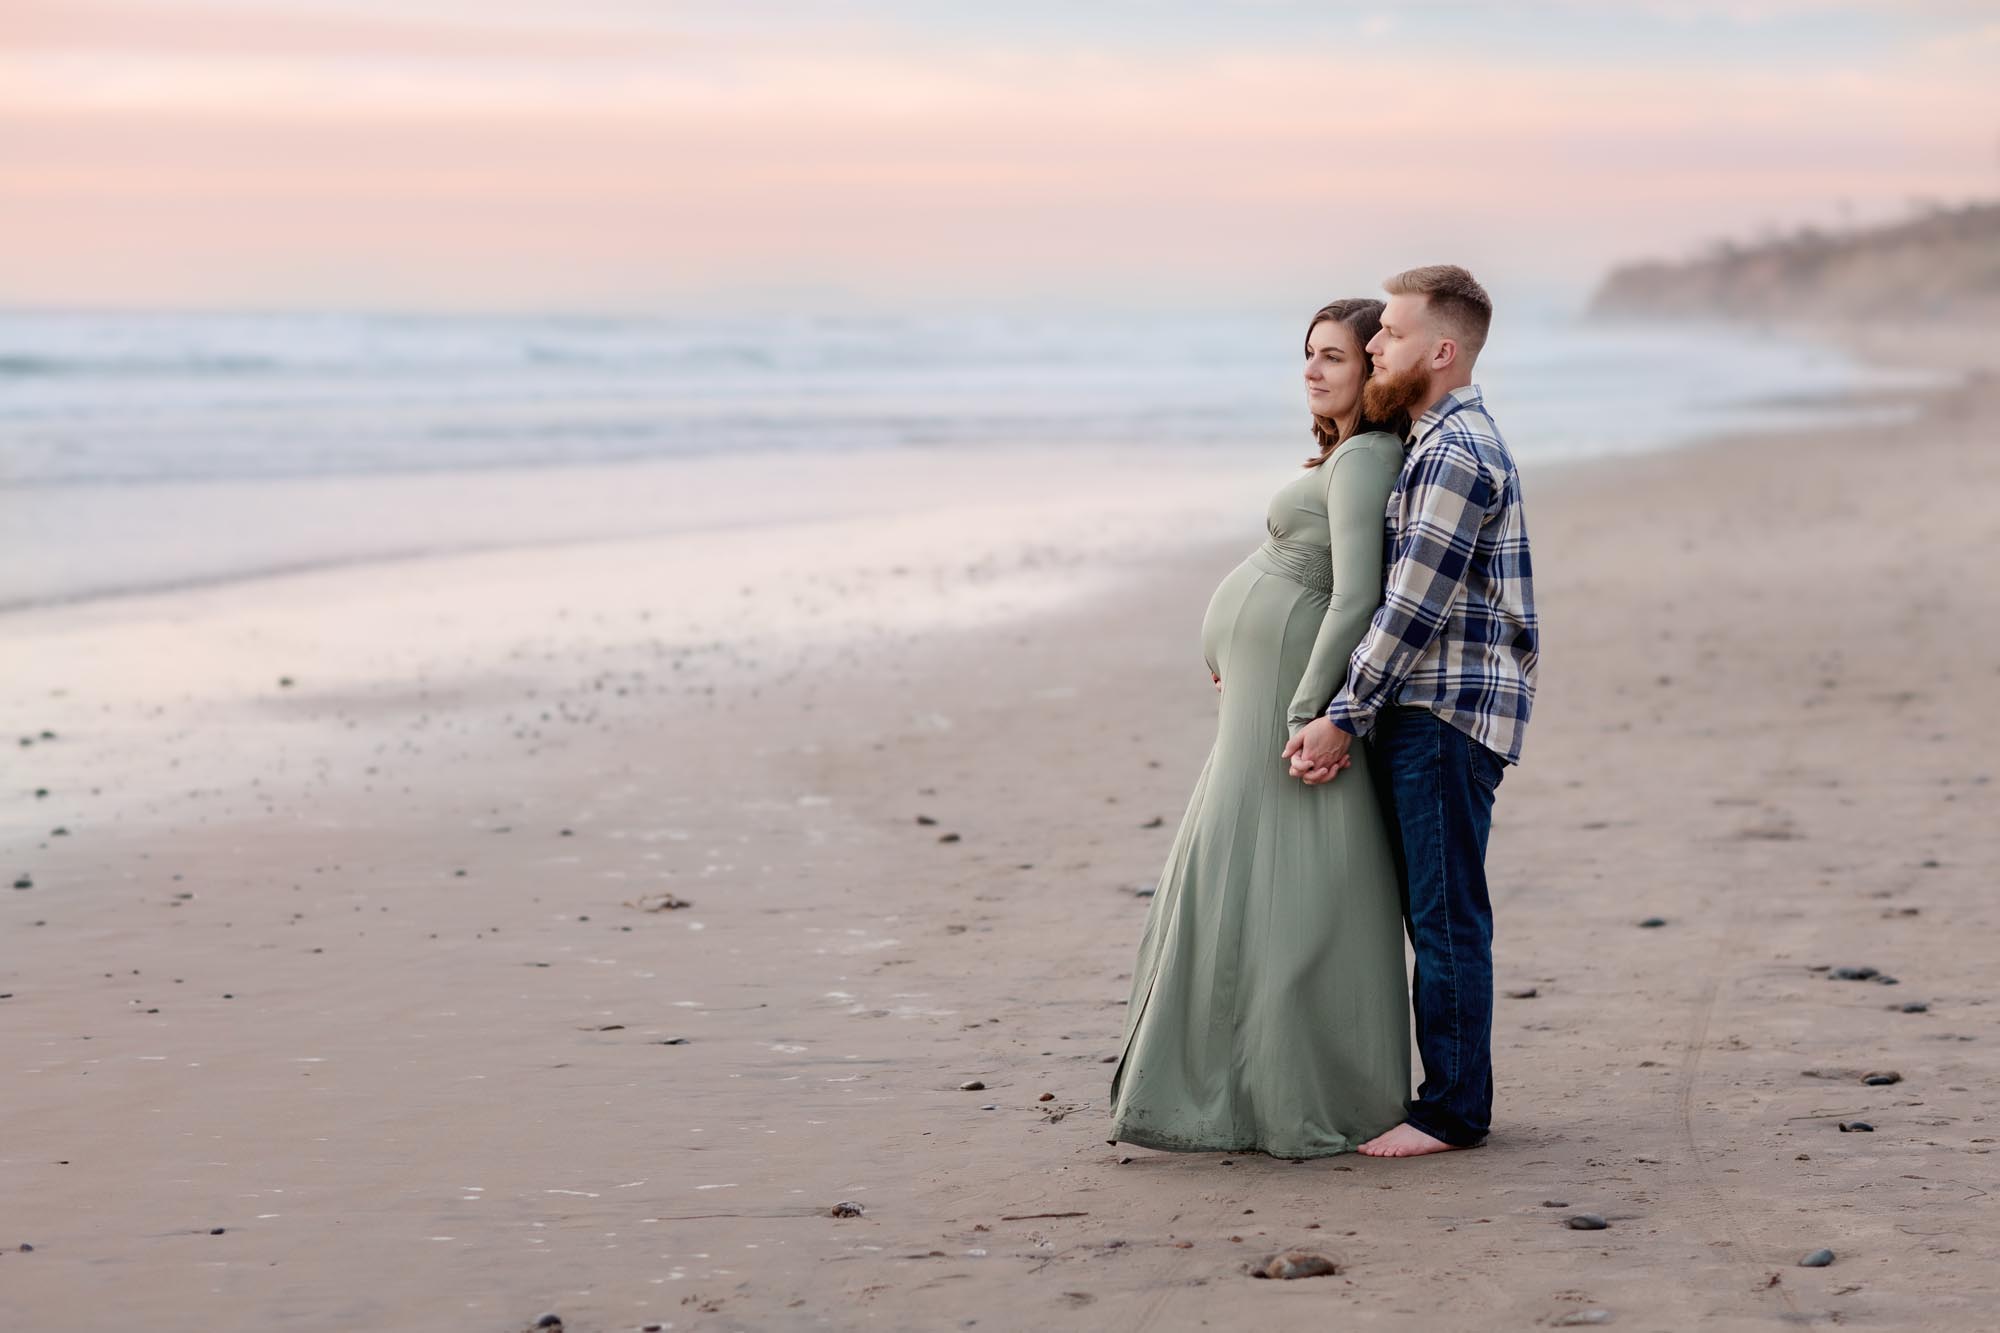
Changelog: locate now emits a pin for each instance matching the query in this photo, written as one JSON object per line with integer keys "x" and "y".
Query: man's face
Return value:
{"x": 1401, "y": 352}
{"x": 1406, "y": 340}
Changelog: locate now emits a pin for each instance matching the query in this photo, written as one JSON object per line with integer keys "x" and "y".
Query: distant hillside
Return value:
{"x": 1945, "y": 263}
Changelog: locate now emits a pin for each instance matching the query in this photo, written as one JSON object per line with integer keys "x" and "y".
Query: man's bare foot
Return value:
{"x": 1404, "y": 1141}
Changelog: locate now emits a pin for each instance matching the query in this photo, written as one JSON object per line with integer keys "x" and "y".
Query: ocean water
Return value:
{"x": 95, "y": 398}
{"x": 141, "y": 450}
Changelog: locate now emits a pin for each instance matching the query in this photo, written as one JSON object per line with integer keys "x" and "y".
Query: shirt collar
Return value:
{"x": 1465, "y": 395}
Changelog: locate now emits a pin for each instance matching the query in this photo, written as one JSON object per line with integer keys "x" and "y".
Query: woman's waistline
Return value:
{"x": 1300, "y": 570}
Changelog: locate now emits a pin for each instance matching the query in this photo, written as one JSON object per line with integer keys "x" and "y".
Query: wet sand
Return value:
{"x": 361, "y": 969}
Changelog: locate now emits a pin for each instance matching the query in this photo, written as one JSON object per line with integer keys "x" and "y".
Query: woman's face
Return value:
{"x": 1335, "y": 367}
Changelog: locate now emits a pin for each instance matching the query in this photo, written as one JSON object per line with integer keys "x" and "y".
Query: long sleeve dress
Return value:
{"x": 1269, "y": 1009}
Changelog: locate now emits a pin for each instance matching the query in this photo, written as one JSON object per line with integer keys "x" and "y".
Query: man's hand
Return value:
{"x": 1319, "y": 752}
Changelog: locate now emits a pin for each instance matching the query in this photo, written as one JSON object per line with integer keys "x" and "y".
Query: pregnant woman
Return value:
{"x": 1268, "y": 1009}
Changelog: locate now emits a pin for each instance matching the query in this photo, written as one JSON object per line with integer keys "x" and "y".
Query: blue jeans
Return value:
{"x": 1437, "y": 786}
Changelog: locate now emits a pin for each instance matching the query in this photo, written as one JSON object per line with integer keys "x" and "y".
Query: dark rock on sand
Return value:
{"x": 1586, "y": 1222}
{"x": 1296, "y": 1264}
{"x": 1913, "y": 1007}
{"x": 972, "y": 1085}
{"x": 1817, "y": 1259}
{"x": 1851, "y": 974}
{"x": 846, "y": 1208}
{"x": 1524, "y": 993}
{"x": 1653, "y": 922}
{"x": 1882, "y": 1079}
{"x": 1856, "y": 1127}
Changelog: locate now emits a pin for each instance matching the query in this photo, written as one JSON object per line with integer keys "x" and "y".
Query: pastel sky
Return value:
{"x": 652, "y": 155}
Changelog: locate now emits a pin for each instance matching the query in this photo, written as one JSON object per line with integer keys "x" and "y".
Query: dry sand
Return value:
{"x": 349, "y": 969}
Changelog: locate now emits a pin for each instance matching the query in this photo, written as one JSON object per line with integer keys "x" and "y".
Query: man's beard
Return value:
{"x": 1385, "y": 393}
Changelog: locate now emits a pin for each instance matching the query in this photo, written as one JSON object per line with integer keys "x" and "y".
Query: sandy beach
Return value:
{"x": 355, "y": 1002}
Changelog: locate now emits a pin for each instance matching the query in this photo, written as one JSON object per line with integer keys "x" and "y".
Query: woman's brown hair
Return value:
{"x": 1363, "y": 317}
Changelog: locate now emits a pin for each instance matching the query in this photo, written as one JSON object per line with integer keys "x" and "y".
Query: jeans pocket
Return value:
{"x": 1488, "y": 768}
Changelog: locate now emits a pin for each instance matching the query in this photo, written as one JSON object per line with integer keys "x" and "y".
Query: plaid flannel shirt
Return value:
{"x": 1456, "y": 632}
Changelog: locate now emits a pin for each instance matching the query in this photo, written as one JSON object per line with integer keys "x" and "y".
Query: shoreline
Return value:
{"x": 437, "y": 1094}
{"x": 70, "y": 542}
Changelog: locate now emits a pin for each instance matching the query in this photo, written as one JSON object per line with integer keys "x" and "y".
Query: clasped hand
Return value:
{"x": 1318, "y": 752}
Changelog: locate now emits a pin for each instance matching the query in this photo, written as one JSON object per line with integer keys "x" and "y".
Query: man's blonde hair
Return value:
{"x": 1460, "y": 303}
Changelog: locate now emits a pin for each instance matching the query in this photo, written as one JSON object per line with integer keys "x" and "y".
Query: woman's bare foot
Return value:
{"x": 1404, "y": 1141}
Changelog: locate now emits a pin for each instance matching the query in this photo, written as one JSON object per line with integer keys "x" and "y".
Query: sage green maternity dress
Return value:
{"x": 1269, "y": 1009}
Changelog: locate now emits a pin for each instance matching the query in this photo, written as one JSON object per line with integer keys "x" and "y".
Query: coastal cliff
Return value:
{"x": 1946, "y": 263}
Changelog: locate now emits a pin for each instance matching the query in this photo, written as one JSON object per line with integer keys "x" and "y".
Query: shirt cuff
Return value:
{"x": 1348, "y": 719}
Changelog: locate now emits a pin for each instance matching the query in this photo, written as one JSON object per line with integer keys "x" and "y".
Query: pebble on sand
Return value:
{"x": 1653, "y": 922}
{"x": 1913, "y": 1007}
{"x": 1581, "y": 1319}
{"x": 846, "y": 1208}
{"x": 972, "y": 1085}
{"x": 1856, "y": 1127}
{"x": 1523, "y": 993}
{"x": 1851, "y": 974}
{"x": 1817, "y": 1259}
{"x": 1296, "y": 1264}
{"x": 659, "y": 902}
{"x": 1882, "y": 1079}
{"x": 24, "y": 882}
{"x": 1585, "y": 1222}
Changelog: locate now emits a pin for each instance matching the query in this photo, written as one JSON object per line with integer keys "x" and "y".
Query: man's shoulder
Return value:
{"x": 1471, "y": 434}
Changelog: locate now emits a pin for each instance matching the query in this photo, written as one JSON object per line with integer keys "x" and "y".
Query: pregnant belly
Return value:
{"x": 1220, "y": 618}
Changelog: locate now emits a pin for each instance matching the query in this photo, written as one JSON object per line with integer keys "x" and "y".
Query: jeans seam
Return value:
{"x": 1444, "y": 900}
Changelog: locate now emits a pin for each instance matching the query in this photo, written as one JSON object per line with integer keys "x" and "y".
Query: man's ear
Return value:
{"x": 1446, "y": 355}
